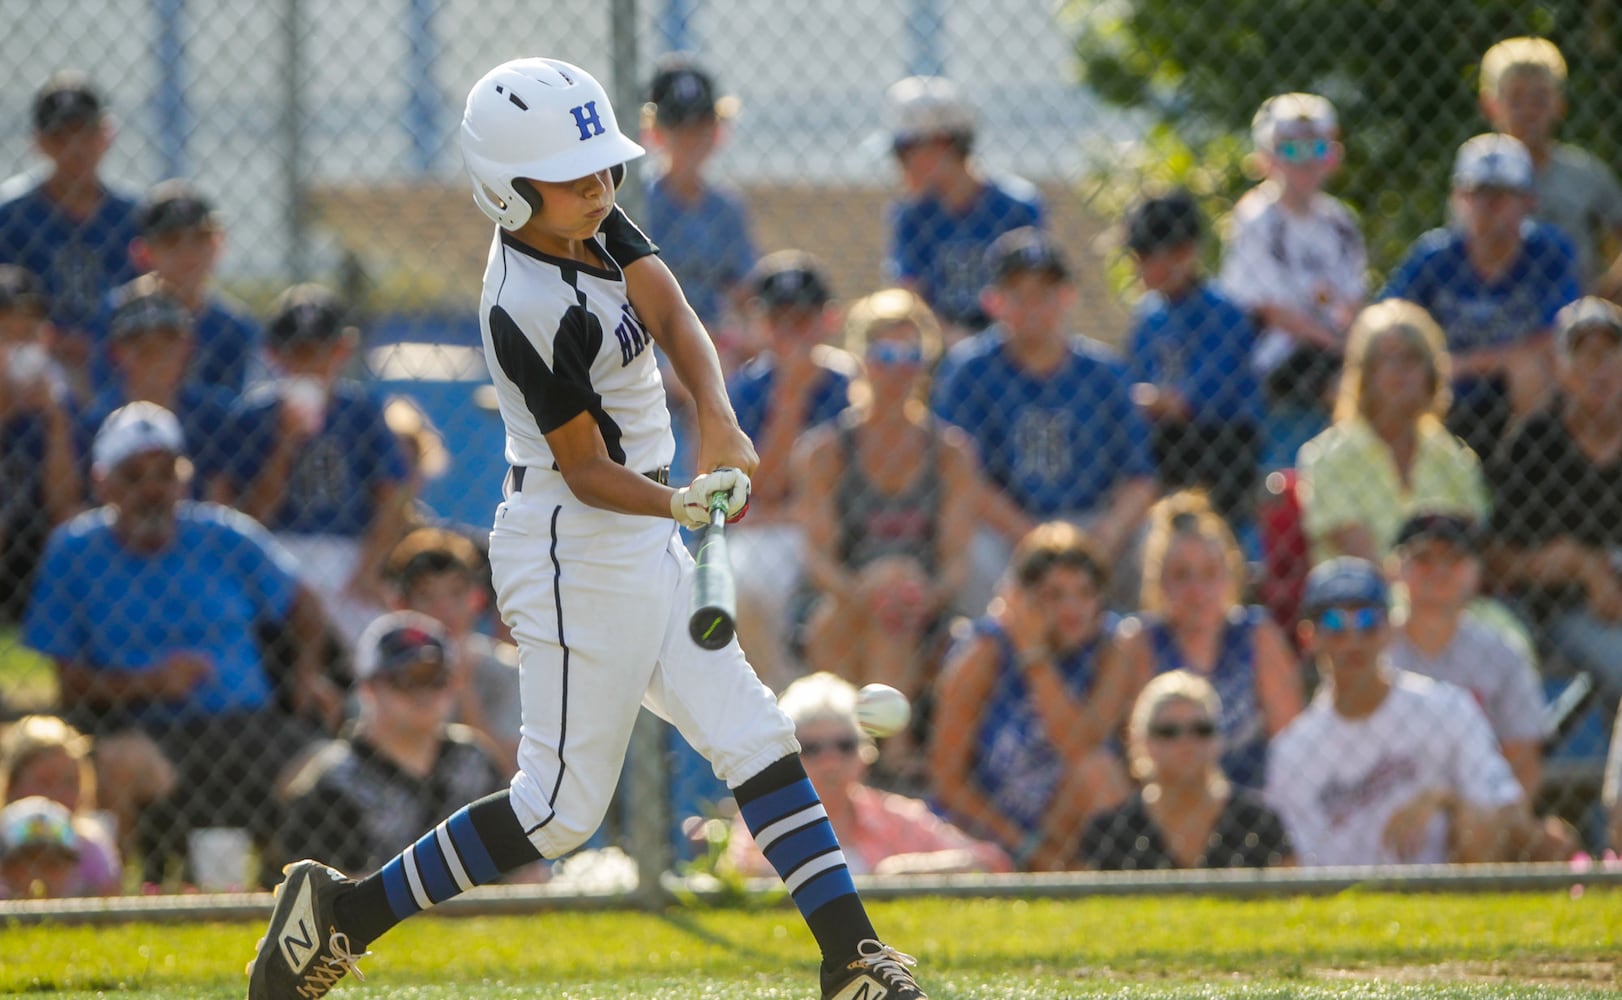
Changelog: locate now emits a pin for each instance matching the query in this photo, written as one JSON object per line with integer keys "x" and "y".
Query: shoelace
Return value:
{"x": 886, "y": 961}
{"x": 323, "y": 976}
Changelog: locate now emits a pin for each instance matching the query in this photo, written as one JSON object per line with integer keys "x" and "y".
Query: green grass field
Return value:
{"x": 1352, "y": 945}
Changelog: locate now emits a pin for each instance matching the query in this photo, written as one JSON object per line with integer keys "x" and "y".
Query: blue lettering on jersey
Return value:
{"x": 587, "y": 120}
{"x": 633, "y": 336}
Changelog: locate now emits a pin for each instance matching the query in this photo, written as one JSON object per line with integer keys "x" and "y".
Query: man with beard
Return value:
{"x": 150, "y": 607}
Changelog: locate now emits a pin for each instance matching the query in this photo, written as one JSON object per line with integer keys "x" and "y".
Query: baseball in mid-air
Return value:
{"x": 881, "y": 710}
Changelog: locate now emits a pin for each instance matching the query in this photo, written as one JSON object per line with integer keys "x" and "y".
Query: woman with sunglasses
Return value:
{"x": 1186, "y": 814}
{"x": 1385, "y": 766}
{"x": 1194, "y": 619}
{"x": 886, "y": 500}
{"x": 882, "y": 833}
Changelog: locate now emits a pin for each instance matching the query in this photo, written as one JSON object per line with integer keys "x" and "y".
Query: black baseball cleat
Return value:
{"x": 303, "y": 953}
{"x": 878, "y": 972}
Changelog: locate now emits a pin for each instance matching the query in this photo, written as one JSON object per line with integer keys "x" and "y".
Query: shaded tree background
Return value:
{"x": 1401, "y": 73}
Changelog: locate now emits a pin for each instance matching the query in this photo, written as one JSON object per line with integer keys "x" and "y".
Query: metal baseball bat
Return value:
{"x": 715, "y": 599}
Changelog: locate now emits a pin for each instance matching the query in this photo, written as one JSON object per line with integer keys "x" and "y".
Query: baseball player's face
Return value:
{"x": 573, "y": 210}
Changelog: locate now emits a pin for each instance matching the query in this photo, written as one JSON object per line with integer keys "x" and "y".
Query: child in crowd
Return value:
{"x": 178, "y": 248}
{"x": 1523, "y": 94}
{"x": 1188, "y": 356}
{"x": 1295, "y": 258}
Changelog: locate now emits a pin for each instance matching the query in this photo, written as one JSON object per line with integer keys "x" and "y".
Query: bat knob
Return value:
{"x": 711, "y": 628}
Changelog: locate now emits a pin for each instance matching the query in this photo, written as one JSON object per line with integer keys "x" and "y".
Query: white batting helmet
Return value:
{"x": 542, "y": 119}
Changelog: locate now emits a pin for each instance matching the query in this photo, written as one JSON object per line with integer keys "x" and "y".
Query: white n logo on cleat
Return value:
{"x": 865, "y": 988}
{"x": 298, "y": 939}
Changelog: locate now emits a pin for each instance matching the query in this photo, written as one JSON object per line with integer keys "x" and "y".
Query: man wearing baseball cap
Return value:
{"x": 71, "y": 229}
{"x": 1385, "y": 767}
{"x": 1493, "y": 282}
{"x": 402, "y": 767}
{"x": 179, "y": 242}
{"x": 1556, "y": 534}
{"x": 950, "y": 209}
{"x": 150, "y": 608}
{"x": 702, "y": 225}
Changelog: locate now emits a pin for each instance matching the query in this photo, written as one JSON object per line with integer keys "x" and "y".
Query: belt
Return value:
{"x": 515, "y": 477}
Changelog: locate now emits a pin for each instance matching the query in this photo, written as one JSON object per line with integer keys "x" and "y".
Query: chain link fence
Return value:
{"x": 1073, "y": 337}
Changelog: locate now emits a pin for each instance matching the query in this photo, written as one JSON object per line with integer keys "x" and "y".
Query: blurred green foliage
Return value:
{"x": 1401, "y": 73}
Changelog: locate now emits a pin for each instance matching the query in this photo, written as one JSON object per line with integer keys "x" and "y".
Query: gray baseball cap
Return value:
{"x": 1588, "y": 314}
{"x": 152, "y": 310}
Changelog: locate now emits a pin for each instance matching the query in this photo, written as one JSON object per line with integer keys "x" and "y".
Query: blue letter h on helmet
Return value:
{"x": 586, "y": 119}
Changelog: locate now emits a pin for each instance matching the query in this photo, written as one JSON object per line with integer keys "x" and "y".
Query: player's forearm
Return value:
{"x": 607, "y": 485}
{"x": 386, "y": 528}
{"x": 104, "y": 687}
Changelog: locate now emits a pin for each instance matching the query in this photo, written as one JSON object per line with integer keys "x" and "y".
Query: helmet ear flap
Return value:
{"x": 527, "y": 191}
{"x": 617, "y": 171}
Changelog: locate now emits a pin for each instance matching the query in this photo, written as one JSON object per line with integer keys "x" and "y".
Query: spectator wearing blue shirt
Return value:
{"x": 39, "y": 461}
{"x": 149, "y": 607}
{"x": 796, "y": 382}
{"x": 1188, "y": 358}
{"x": 150, "y": 341}
{"x": 950, "y": 213}
{"x": 1051, "y": 415}
{"x": 703, "y": 226}
{"x": 1494, "y": 284}
{"x": 179, "y": 245}
{"x": 316, "y": 462}
{"x": 71, "y": 229}
{"x": 685, "y": 119}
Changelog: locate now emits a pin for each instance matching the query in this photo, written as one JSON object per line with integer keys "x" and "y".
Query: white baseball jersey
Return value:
{"x": 1336, "y": 782}
{"x": 1310, "y": 263}
{"x": 598, "y": 601}
{"x": 561, "y": 338}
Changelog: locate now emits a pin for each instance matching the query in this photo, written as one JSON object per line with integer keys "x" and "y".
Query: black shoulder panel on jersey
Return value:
{"x": 556, "y": 395}
{"x": 623, "y": 239}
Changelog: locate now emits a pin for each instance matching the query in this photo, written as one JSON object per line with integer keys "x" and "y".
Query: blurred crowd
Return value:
{"x": 1317, "y": 567}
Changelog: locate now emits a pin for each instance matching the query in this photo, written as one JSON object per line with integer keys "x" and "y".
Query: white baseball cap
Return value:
{"x": 135, "y": 429}
{"x": 920, "y": 107}
{"x": 1493, "y": 160}
{"x": 1293, "y": 116}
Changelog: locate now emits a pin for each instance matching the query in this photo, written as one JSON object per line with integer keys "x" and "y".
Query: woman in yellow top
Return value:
{"x": 1387, "y": 454}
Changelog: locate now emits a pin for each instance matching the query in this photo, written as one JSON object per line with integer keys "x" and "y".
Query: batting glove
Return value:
{"x": 690, "y": 505}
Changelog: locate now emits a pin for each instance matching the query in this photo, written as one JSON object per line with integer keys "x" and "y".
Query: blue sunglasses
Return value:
{"x": 895, "y": 352}
{"x": 1340, "y": 620}
{"x": 1302, "y": 150}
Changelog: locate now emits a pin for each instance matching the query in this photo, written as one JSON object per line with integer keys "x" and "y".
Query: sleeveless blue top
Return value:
{"x": 1015, "y": 764}
{"x": 1243, "y": 728}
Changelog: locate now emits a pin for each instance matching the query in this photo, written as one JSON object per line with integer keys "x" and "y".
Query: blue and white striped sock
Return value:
{"x": 782, "y": 810}
{"x": 476, "y": 846}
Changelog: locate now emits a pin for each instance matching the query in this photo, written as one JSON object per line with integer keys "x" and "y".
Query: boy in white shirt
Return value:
{"x": 1385, "y": 766}
{"x": 1294, "y": 256}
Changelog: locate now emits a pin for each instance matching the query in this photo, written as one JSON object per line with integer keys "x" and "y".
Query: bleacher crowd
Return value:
{"x": 1288, "y": 577}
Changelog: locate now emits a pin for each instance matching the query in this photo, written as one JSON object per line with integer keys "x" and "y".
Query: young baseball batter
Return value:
{"x": 589, "y": 570}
